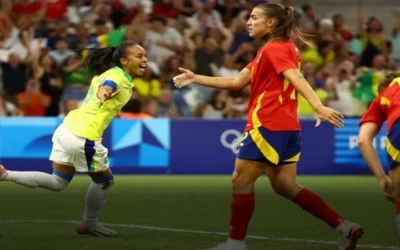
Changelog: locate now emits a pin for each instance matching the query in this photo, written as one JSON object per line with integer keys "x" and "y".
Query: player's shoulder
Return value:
{"x": 112, "y": 74}
{"x": 281, "y": 45}
{"x": 395, "y": 82}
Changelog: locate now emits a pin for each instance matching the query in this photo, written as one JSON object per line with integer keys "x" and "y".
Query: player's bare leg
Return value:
{"x": 96, "y": 198}
{"x": 58, "y": 181}
{"x": 284, "y": 182}
{"x": 395, "y": 176}
{"x": 242, "y": 205}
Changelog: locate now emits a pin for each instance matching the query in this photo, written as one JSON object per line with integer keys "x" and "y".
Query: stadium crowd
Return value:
{"x": 42, "y": 53}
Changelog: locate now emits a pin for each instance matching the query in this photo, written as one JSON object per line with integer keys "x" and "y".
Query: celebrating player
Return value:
{"x": 386, "y": 106}
{"x": 272, "y": 140}
{"x": 77, "y": 141}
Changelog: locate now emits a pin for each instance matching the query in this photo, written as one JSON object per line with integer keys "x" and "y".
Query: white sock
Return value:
{"x": 343, "y": 227}
{"x": 36, "y": 179}
{"x": 397, "y": 224}
{"x": 96, "y": 198}
{"x": 234, "y": 242}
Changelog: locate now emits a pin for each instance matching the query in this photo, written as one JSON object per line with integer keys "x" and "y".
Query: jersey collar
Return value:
{"x": 130, "y": 79}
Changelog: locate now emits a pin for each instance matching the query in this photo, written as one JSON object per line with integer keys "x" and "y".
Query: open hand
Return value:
{"x": 184, "y": 79}
{"x": 329, "y": 115}
{"x": 387, "y": 188}
{"x": 105, "y": 95}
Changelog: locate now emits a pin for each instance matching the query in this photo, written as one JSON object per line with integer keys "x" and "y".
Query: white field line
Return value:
{"x": 181, "y": 230}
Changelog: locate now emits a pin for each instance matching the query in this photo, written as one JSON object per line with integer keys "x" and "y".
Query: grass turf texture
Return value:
{"x": 192, "y": 203}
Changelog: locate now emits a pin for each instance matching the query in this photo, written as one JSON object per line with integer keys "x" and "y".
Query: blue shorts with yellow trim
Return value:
{"x": 393, "y": 145}
{"x": 273, "y": 147}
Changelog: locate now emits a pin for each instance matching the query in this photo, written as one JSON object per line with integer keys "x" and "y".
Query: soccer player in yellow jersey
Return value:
{"x": 77, "y": 141}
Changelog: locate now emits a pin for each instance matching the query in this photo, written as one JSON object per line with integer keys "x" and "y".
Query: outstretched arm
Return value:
{"x": 231, "y": 83}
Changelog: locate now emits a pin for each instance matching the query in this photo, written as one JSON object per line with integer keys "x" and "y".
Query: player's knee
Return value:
{"x": 242, "y": 183}
{"x": 62, "y": 181}
{"x": 59, "y": 187}
{"x": 286, "y": 187}
{"x": 105, "y": 183}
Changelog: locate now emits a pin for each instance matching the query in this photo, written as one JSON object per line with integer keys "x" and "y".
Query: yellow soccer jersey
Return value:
{"x": 91, "y": 119}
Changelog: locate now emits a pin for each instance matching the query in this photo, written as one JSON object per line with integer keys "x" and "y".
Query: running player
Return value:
{"x": 272, "y": 140}
{"x": 77, "y": 141}
{"x": 385, "y": 107}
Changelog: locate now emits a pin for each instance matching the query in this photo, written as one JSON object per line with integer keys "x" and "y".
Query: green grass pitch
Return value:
{"x": 198, "y": 206}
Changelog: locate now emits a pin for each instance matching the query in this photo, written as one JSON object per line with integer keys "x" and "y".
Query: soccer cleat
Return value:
{"x": 230, "y": 245}
{"x": 397, "y": 225}
{"x": 3, "y": 172}
{"x": 348, "y": 239}
{"x": 96, "y": 230}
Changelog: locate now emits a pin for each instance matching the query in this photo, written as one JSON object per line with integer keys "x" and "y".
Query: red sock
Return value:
{"x": 242, "y": 208}
{"x": 316, "y": 206}
{"x": 397, "y": 207}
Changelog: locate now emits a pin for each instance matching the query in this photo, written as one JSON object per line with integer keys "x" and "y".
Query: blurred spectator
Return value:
{"x": 33, "y": 102}
{"x": 5, "y": 26}
{"x": 162, "y": 42}
{"x": 149, "y": 85}
{"x": 166, "y": 106}
{"x": 150, "y": 107}
{"x": 240, "y": 102}
{"x": 55, "y": 9}
{"x": 372, "y": 38}
{"x": 24, "y": 46}
{"x": 170, "y": 70}
{"x": 165, "y": 8}
{"x": 62, "y": 32}
{"x": 308, "y": 18}
{"x": 321, "y": 55}
{"x": 7, "y": 108}
{"x": 62, "y": 52}
{"x": 69, "y": 105}
{"x": 77, "y": 11}
{"x": 46, "y": 71}
{"x": 143, "y": 5}
{"x": 187, "y": 7}
{"x": 75, "y": 78}
{"x": 209, "y": 13}
{"x": 133, "y": 110}
{"x": 340, "y": 27}
{"x": 218, "y": 107}
{"x": 15, "y": 75}
{"x": 28, "y": 12}
{"x": 341, "y": 87}
{"x": 47, "y": 42}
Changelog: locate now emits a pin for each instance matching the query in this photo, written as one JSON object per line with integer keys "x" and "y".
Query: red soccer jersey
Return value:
{"x": 27, "y": 8}
{"x": 56, "y": 9}
{"x": 273, "y": 100}
{"x": 386, "y": 106}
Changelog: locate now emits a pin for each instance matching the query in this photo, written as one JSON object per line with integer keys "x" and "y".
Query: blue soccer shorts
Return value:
{"x": 272, "y": 147}
{"x": 393, "y": 145}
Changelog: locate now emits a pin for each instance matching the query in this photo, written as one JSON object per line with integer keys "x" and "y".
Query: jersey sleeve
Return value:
{"x": 109, "y": 83}
{"x": 111, "y": 80}
{"x": 250, "y": 65}
{"x": 374, "y": 114}
{"x": 282, "y": 58}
